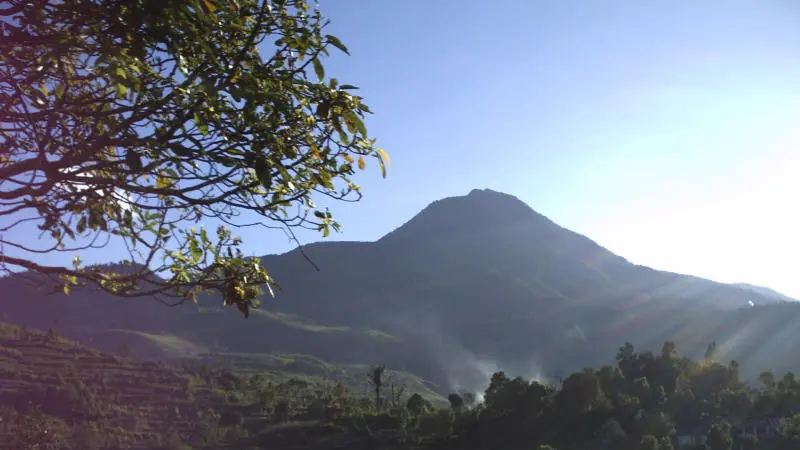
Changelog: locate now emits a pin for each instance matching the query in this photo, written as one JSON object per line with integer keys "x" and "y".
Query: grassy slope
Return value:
{"x": 281, "y": 365}
{"x": 294, "y": 321}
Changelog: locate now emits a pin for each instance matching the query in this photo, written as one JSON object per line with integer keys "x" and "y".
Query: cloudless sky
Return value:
{"x": 667, "y": 131}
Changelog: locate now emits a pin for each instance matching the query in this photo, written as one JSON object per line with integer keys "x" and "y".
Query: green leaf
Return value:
{"x": 121, "y": 90}
{"x": 322, "y": 109}
{"x": 333, "y": 40}
{"x": 201, "y": 124}
{"x": 262, "y": 172}
{"x": 181, "y": 150}
{"x": 81, "y": 227}
{"x": 318, "y": 69}
{"x": 355, "y": 122}
{"x": 195, "y": 250}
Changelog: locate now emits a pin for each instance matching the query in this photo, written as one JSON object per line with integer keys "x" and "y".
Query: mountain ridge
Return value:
{"x": 470, "y": 282}
{"x": 765, "y": 291}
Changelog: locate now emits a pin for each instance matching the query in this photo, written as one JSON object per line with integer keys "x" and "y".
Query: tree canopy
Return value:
{"x": 136, "y": 120}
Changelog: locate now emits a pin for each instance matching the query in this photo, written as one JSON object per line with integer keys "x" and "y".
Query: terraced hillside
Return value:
{"x": 132, "y": 401}
{"x": 87, "y": 399}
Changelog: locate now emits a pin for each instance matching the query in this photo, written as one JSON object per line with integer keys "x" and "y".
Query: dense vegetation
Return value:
{"x": 57, "y": 394}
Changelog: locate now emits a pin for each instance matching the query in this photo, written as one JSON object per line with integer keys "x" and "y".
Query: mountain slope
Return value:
{"x": 765, "y": 291}
{"x": 469, "y": 284}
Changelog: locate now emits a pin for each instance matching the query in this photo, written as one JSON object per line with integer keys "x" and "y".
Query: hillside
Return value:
{"x": 765, "y": 291}
{"x": 56, "y": 393}
{"x": 127, "y": 399}
{"x": 470, "y": 284}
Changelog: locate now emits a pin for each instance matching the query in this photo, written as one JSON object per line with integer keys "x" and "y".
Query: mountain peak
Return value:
{"x": 486, "y": 191}
{"x": 480, "y": 208}
{"x": 489, "y": 194}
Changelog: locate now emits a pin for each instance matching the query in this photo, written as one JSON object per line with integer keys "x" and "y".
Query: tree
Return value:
{"x": 52, "y": 335}
{"x": 668, "y": 350}
{"x": 719, "y": 437}
{"x": 375, "y": 376}
{"x": 131, "y": 121}
{"x": 456, "y": 402}
{"x": 417, "y": 405}
{"x": 396, "y": 391}
{"x": 791, "y": 428}
{"x": 767, "y": 379}
{"x": 579, "y": 393}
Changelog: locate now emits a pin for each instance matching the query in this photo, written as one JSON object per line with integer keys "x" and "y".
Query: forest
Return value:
{"x": 57, "y": 394}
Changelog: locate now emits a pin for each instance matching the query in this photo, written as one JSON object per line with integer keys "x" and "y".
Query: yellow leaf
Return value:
{"x": 347, "y": 158}
{"x": 384, "y": 156}
{"x": 383, "y": 160}
{"x": 162, "y": 182}
{"x": 210, "y": 5}
{"x": 361, "y": 163}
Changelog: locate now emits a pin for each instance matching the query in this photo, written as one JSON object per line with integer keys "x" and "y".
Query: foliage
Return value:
{"x": 646, "y": 401}
{"x": 719, "y": 437}
{"x": 132, "y": 120}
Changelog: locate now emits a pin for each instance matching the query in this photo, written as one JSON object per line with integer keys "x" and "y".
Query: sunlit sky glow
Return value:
{"x": 666, "y": 131}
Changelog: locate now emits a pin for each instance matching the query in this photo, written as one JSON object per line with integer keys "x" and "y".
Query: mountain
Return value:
{"x": 470, "y": 284}
{"x": 766, "y": 292}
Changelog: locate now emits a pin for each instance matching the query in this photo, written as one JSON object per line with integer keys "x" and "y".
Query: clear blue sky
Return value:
{"x": 664, "y": 130}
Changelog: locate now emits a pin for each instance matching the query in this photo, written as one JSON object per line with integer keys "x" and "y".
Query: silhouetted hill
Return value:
{"x": 470, "y": 284}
